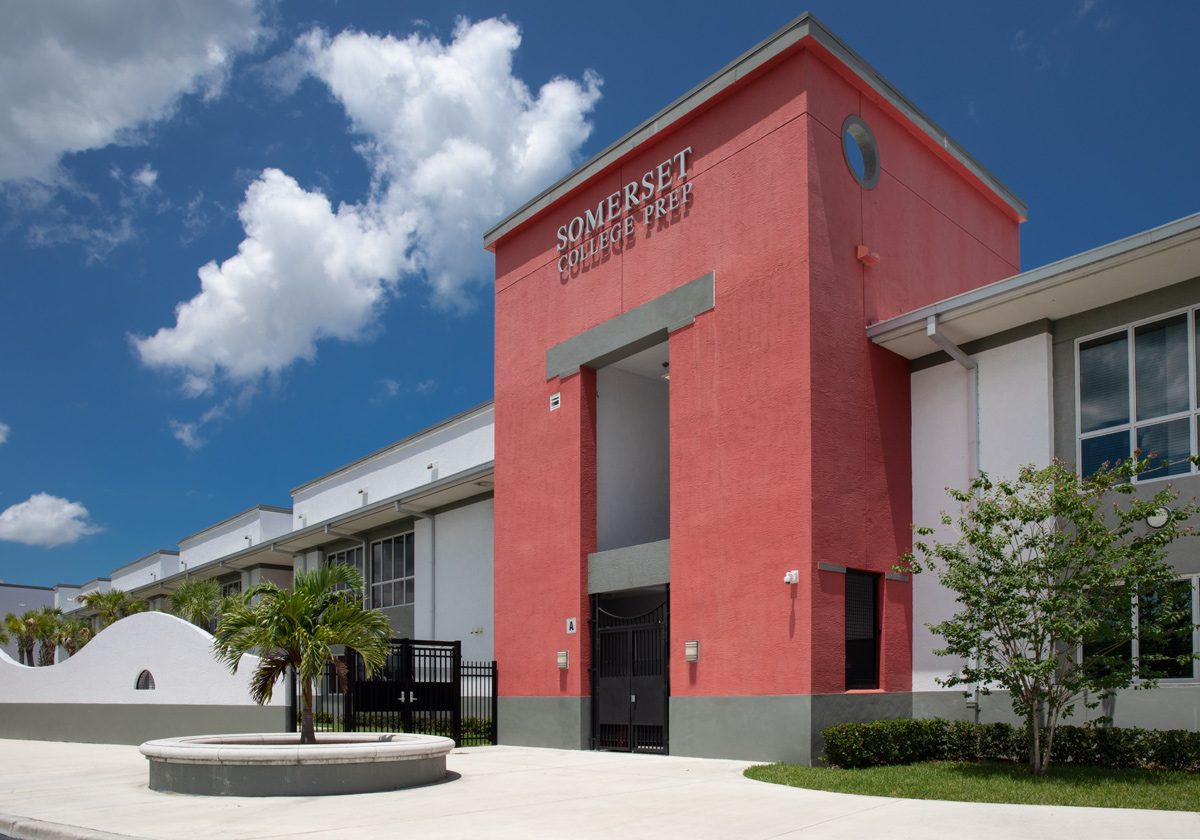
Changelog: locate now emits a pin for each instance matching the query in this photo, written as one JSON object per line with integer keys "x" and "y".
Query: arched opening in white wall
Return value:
{"x": 145, "y": 681}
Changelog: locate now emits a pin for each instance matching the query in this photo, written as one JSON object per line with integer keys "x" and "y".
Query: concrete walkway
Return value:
{"x": 99, "y": 792}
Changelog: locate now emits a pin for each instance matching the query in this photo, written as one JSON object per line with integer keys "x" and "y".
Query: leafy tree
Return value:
{"x": 112, "y": 605}
{"x": 297, "y": 628}
{"x": 1046, "y": 566}
{"x": 73, "y": 634}
{"x": 197, "y": 601}
{"x": 45, "y": 631}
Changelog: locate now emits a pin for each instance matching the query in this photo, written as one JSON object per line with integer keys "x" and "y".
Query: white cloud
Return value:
{"x": 47, "y": 521}
{"x": 145, "y": 176}
{"x": 1085, "y": 8}
{"x": 1019, "y": 42}
{"x": 77, "y": 74}
{"x": 4, "y": 431}
{"x": 188, "y": 434}
{"x": 453, "y": 140}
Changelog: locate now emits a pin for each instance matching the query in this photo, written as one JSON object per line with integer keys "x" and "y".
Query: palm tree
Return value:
{"x": 297, "y": 627}
{"x": 45, "y": 630}
{"x": 112, "y": 605}
{"x": 16, "y": 630}
{"x": 21, "y": 629}
{"x": 73, "y": 634}
{"x": 197, "y": 601}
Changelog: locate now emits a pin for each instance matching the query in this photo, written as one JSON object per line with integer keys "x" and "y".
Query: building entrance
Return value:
{"x": 630, "y": 642}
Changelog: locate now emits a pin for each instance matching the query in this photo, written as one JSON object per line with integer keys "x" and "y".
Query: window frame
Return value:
{"x": 407, "y": 581}
{"x": 1131, "y": 426}
{"x": 1194, "y": 579}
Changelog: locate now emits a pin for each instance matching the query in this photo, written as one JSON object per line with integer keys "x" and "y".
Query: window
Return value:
{"x": 1159, "y": 655}
{"x": 230, "y": 589}
{"x": 352, "y": 557}
{"x": 392, "y": 571}
{"x": 862, "y": 630}
{"x": 1123, "y": 636}
{"x": 145, "y": 682}
{"x": 1137, "y": 390}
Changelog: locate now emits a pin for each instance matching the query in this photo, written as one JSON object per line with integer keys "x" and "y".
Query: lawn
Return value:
{"x": 990, "y": 781}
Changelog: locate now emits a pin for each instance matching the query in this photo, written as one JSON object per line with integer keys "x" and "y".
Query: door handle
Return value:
{"x": 632, "y": 698}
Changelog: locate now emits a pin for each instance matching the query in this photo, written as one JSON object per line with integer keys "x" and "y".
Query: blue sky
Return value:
{"x": 241, "y": 241}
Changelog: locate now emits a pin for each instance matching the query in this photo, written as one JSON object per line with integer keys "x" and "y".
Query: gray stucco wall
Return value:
{"x": 1184, "y": 556}
{"x": 132, "y": 723}
{"x": 648, "y": 564}
{"x": 764, "y": 728}
{"x": 563, "y": 723}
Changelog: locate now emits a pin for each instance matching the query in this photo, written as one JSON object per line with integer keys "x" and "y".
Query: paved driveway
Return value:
{"x": 96, "y": 791}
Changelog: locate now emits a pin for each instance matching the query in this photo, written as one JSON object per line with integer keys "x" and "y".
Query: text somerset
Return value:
{"x": 646, "y": 195}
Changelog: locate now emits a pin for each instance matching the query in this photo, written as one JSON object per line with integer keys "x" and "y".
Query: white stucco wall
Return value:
{"x": 1016, "y": 428}
{"x": 230, "y": 537}
{"x": 145, "y": 571}
{"x": 633, "y": 484}
{"x": 455, "y": 448}
{"x": 178, "y": 654}
{"x": 463, "y": 582}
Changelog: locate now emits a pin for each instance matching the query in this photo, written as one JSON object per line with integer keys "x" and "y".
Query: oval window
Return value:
{"x": 862, "y": 155}
{"x": 145, "y": 681}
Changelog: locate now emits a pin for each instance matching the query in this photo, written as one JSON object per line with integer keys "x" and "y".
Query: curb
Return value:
{"x": 25, "y": 828}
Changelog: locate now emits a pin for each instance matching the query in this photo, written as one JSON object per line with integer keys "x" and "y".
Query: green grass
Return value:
{"x": 1166, "y": 790}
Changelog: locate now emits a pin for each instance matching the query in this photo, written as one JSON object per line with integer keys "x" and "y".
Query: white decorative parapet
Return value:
{"x": 178, "y": 655}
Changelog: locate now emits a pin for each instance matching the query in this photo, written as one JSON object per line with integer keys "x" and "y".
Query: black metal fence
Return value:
{"x": 423, "y": 687}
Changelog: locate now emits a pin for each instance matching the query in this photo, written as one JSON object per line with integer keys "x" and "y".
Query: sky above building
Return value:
{"x": 241, "y": 241}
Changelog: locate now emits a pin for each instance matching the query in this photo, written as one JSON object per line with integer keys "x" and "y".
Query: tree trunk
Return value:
{"x": 46, "y": 654}
{"x": 308, "y": 733}
{"x": 1032, "y": 733}
{"x": 29, "y": 654}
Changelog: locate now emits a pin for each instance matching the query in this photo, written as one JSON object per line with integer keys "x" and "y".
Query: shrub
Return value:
{"x": 883, "y": 742}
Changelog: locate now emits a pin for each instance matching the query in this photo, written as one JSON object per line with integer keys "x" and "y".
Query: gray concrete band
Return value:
{"x": 121, "y": 723}
{"x": 633, "y": 331}
{"x": 648, "y": 564}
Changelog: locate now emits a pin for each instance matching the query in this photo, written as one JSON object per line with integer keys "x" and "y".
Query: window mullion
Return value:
{"x": 1131, "y": 361}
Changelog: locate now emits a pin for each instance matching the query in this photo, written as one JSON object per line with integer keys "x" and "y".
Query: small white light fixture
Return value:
{"x": 792, "y": 577}
{"x": 555, "y": 401}
{"x": 1158, "y": 518}
{"x": 691, "y": 650}
{"x": 563, "y": 660}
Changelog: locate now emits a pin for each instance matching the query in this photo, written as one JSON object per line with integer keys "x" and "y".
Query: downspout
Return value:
{"x": 972, "y": 367}
{"x": 432, "y": 565}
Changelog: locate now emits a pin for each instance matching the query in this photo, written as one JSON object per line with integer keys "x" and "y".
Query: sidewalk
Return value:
{"x": 99, "y": 792}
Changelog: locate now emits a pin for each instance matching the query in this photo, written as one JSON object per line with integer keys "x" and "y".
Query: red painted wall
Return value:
{"x": 789, "y": 430}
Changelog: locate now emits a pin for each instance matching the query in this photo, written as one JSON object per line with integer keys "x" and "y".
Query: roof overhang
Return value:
{"x": 453, "y": 488}
{"x": 1117, "y": 271}
{"x": 805, "y": 30}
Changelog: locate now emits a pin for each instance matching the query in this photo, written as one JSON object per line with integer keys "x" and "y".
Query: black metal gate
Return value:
{"x": 424, "y": 687}
{"x": 629, "y": 680}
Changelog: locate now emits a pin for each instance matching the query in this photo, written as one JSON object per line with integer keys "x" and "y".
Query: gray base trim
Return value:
{"x": 765, "y": 728}
{"x": 563, "y": 723}
{"x": 317, "y": 779}
{"x": 103, "y": 723}
{"x": 633, "y": 331}
{"x": 648, "y": 564}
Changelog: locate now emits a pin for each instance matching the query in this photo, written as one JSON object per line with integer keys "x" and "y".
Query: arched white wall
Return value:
{"x": 178, "y": 654}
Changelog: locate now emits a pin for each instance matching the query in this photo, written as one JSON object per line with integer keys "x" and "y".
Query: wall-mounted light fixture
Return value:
{"x": 792, "y": 577}
{"x": 691, "y": 650}
{"x": 563, "y": 660}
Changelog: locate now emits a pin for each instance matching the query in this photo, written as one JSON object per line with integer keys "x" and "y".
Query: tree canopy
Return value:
{"x": 1047, "y": 568}
{"x": 298, "y": 628}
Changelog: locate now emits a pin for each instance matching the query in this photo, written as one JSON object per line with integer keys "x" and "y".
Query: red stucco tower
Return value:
{"x": 688, "y": 410}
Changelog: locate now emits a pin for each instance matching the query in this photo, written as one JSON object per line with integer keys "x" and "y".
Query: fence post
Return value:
{"x": 349, "y": 713}
{"x": 290, "y": 688}
{"x": 456, "y": 678}
{"x": 495, "y": 704}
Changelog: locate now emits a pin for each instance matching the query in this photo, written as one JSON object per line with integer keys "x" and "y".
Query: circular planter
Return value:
{"x": 279, "y": 765}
